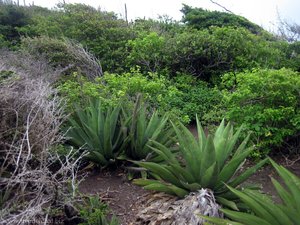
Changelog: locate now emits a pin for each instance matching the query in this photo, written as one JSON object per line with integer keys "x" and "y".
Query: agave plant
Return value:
{"x": 144, "y": 128}
{"x": 264, "y": 210}
{"x": 98, "y": 130}
{"x": 208, "y": 162}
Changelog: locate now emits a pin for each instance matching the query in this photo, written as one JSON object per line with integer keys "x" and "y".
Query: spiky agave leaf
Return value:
{"x": 209, "y": 162}
{"x": 98, "y": 130}
{"x": 143, "y": 128}
{"x": 264, "y": 210}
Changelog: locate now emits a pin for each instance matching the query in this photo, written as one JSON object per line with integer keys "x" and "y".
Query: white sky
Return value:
{"x": 262, "y": 12}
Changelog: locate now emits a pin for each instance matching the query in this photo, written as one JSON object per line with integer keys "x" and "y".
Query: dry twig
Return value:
{"x": 33, "y": 179}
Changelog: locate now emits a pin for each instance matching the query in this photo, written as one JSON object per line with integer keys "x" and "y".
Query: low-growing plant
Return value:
{"x": 263, "y": 210}
{"x": 94, "y": 212}
{"x": 144, "y": 127}
{"x": 208, "y": 162}
{"x": 98, "y": 130}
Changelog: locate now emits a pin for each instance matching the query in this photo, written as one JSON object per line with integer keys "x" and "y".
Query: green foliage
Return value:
{"x": 94, "y": 212}
{"x": 12, "y": 17}
{"x": 193, "y": 97}
{"x": 266, "y": 102}
{"x": 264, "y": 210}
{"x": 5, "y": 75}
{"x": 54, "y": 50}
{"x": 63, "y": 54}
{"x": 144, "y": 128}
{"x": 98, "y": 130}
{"x": 101, "y": 32}
{"x": 201, "y": 19}
{"x": 292, "y": 54}
{"x": 111, "y": 88}
{"x": 146, "y": 51}
{"x": 163, "y": 25}
{"x": 3, "y": 42}
{"x": 208, "y": 162}
{"x": 181, "y": 97}
{"x": 79, "y": 89}
{"x": 209, "y": 53}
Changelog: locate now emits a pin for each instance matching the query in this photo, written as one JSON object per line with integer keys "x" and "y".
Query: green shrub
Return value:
{"x": 144, "y": 127}
{"x": 64, "y": 54}
{"x": 98, "y": 130}
{"x": 194, "y": 97}
{"x": 101, "y": 32}
{"x": 181, "y": 97}
{"x": 146, "y": 51}
{"x": 264, "y": 210}
{"x": 267, "y": 102}
{"x": 112, "y": 87}
{"x": 208, "y": 162}
{"x": 209, "y": 53}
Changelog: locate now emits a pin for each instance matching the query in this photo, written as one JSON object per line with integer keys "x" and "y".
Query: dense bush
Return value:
{"x": 147, "y": 51}
{"x": 194, "y": 97}
{"x": 64, "y": 54}
{"x": 182, "y": 96}
{"x": 12, "y": 18}
{"x": 205, "y": 53}
{"x": 267, "y": 102}
{"x": 101, "y": 32}
{"x": 201, "y": 19}
{"x": 112, "y": 87}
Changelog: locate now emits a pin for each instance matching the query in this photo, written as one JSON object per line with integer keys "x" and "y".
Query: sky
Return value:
{"x": 261, "y": 12}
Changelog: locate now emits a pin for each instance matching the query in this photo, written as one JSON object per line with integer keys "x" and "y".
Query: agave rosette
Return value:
{"x": 203, "y": 162}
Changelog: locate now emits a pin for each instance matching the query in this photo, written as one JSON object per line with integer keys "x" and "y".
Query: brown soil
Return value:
{"x": 264, "y": 175}
{"x": 125, "y": 199}
{"x": 114, "y": 189}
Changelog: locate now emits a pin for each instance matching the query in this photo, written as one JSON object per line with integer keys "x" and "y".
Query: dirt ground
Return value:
{"x": 124, "y": 198}
{"x": 114, "y": 189}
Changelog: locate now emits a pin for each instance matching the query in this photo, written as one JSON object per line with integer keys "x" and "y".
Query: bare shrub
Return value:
{"x": 33, "y": 179}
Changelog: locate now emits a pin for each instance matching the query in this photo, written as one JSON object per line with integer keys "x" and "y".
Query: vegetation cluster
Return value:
{"x": 80, "y": 86}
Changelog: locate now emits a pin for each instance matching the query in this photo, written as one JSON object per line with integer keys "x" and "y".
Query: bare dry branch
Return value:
{"x": 33, "y": 178}
{"x": 223, "y": 7}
